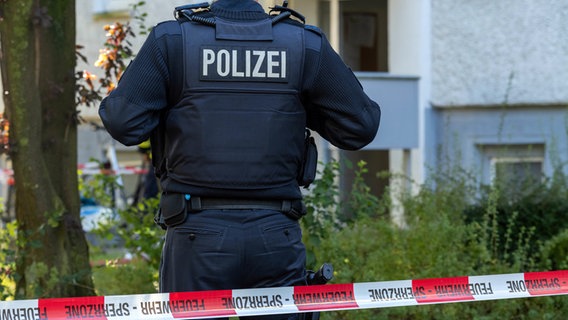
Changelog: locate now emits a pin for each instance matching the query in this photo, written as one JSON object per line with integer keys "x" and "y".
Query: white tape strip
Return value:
{"x": 5, "y": 173}
{"x": 248, "y": 302}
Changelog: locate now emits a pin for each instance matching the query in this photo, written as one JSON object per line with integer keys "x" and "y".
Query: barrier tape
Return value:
{"x": 121, "y": 171}
{"x": 85, "y": 170}
{"x": 249, "y": 302}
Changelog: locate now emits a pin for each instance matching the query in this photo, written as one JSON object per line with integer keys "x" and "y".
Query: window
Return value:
{"x": 517, "y": 169}
{"x": 513, "y": 165}
{"x": 363, "y": 32}
{"x": 364, "y": 46}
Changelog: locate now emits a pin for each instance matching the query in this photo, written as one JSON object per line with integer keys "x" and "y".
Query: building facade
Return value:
{"x": 499, "y": 89}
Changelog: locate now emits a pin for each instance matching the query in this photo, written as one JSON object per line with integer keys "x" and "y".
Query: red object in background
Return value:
{"x": 4, "y": 134}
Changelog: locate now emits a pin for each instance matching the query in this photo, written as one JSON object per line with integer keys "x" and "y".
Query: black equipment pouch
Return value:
{"x": 307, "y": 173}
{"x": 172, "y": 211}
{"x": 297, "y": 210}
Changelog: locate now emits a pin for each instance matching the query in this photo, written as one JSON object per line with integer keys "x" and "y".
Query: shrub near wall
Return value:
{"x": 142, "y": 239}
{"x": 438, "y": 242}
{"x": 538, "y": 208}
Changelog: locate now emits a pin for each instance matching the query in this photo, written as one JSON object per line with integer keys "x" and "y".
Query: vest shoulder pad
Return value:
{"x": 314, "y": 37}
{"x": 313, "y": 29}
{"x": 169, "y": 27}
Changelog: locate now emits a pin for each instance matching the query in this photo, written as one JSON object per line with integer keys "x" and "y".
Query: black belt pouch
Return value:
{"x": 173, "y": 208}
{"x": 307, "y": 173}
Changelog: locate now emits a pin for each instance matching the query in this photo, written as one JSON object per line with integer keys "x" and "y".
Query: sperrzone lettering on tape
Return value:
{"x": 252, "y": 302}
{"x": 84, "y": 311}
{"x": 23, "y": 314}
{"x": 243, "y": 63}
{"x": 538, "y": 284}
{"x": 390, "y": 294}
{"x": 448, "y": 290}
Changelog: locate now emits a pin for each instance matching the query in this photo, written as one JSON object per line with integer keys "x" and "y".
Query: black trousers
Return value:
{"x": 234, "y": 249}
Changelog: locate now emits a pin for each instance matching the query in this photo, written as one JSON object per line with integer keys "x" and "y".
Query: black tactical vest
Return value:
{"x": 239, "y": 124}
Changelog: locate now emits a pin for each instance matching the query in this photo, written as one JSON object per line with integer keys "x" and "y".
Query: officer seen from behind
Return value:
{"x": 226, "y": 93}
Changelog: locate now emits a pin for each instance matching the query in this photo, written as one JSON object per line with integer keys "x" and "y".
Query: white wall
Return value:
{"x": 500, "y": 70}
{"x": 497, "y": 51}
{"x": 409, "y": 54}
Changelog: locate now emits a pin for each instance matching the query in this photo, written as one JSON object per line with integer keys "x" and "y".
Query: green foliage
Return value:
{"x": 135, "y": 277}
{"x": 140, "y": 234}
{"x": 130, "y": 231}
{"x": 438, "y": 240}
{"x": 554, "y": 252}
{"x": 7, "y": 260}
{"x": 141, "y": 239}
{"x": 535, "y": 209}
{"x": 140, "y": 16}
{"x": 362, "y": 203}
{"x": 322, "y": 211}
{"x": 99, "y": 186}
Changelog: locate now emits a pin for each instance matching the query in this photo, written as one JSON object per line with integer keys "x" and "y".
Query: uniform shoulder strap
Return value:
{"x": 285, "y": 12}
{"x": 195, "y": 13}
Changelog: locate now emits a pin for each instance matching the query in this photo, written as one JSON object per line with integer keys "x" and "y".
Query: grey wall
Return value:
{"x": 496, "y": 51}
{"x": 465, "y": 131}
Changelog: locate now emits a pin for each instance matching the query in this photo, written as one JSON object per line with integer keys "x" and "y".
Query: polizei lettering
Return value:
{"x": 252, "y": 302}
{"x": 244, "y": 64}
{"x": 23, "y": 314}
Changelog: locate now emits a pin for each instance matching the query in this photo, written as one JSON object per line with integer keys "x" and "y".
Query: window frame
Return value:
{"x": 493, "y": 154}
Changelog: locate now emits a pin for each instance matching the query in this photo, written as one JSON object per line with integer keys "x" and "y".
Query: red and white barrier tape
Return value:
{"x": 121, "y": 171}
{"x": 248, "y": 302}
{"x": 84, "y": 170}
{"x": 94, "y": 169}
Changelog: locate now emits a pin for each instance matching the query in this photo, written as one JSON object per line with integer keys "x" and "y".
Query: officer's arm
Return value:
{"x": 337, "y": 108}
{"x": 132, "y": 110}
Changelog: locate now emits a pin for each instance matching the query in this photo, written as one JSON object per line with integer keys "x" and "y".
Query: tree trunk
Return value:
{"x": 38, "y": 62}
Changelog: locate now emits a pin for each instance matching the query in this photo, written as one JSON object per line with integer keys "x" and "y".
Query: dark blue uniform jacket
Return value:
{"x": 152, "y": 98}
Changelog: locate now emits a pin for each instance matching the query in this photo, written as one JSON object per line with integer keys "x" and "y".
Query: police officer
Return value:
{"x": 226, "y": 95}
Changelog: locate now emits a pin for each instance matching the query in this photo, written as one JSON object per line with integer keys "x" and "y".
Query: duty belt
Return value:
{"x": 198, "y": 203}
{"x": 174, "y": 207}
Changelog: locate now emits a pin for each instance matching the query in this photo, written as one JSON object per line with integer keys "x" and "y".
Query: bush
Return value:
{"x": 116, "y": 278}
{"x": 140, "y": 239}
{"x": 129, "y": 232}
{"x": 554, "y": 253}
{"x": 7, "y": 260}
{"x": 438, "y": 241}
{"x": 535, "y": 207}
